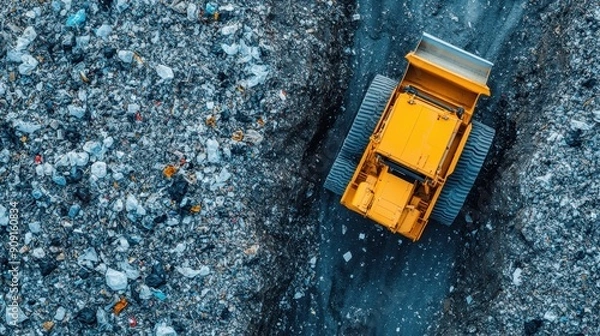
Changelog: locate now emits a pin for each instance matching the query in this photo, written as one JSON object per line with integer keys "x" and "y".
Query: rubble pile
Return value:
{"x": 152, "y": 151}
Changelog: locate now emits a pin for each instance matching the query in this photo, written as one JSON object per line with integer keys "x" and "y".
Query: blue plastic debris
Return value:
{"x": 37, "y": 194}
{"x": 76, "y": 20}
{"x": 159, "y": 294}
{"x": 210, "y": 8}
{"x": 56, "y": 6}
{"x": 74, "y": 210}
{"x": 59, "y": 179}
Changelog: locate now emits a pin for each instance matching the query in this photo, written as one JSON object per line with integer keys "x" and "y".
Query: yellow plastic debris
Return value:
{"x": 169, "y": 171}
{"x": 238, "y": 136}
{"x": 211, "y": 121}
{"x": 48, "y": 325}
{"x": 119, "y": 306}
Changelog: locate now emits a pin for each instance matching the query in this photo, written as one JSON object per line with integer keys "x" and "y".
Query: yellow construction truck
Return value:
{"x": 414, "y": 151}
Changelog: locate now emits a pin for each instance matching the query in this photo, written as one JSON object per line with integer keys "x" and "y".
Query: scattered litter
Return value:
{"x": 60, "y": 314}
{"x": 223, "y": 176}
{"x": 122, "y": 5}
{"x": 88, "y": 255}
{"x": 248, "y": 54}
{"x": 118, "y": 206}
{"x": 87, "y": 316}
{"x": 104, "y": 31}
{"x": 29, "y": 63}
{"x": 34, "y": 227}
{"x": 93, "y": 148}
{"x": 133, "y": 108}
{"x": 116, "y": 280}
{"x": 169, "y": 171}
{"x": 76, "y": 111}
{"x": 550, "y": 315}
{"x": 130, "y": 271}
{"x": 253, "y": 137}
{"x": 76, "y": 20}
{"x": 131, "y": 203}
{"x": 161, "y": 329}
{"x": 347, "y": 256}
{"x": 99, "y": 169}
{"x": 120, "y": 305}
{"x": 517, "y": 276}
{"x": 191, "y": 273}
{"x": 74, "y": 210}
{"x": 282, "y": 95}
{"x": 468, "y": 219}
{"x": 126, "y": 56}
{"x": 212, "y": 151}
{"x": 28, "y": 36}
{"x": 158, "y": 294}
{"x": 259, "y": 72}
{"x": 26, "y": 126}
{"x": 145, "y": 292}
{"x": 164, "y": 72}
{"x": 157, "y": 278}
{"x": 102, "y": 319}
{"x": 82, "y": 42}
{"x": 38, "y": 253}
{"x": 192, "y": 12}
{"x": 230, "y": 29}
{"x": 14, "y": 315}
{"x": 80, "y": 159}
{"x": 230, "y": 49}
{"x": 210, "y": 8}
{"x": 178, "y": 189}
{"x": 180, "y": 248}
{"x": 59, "y": 179}
{"x": 237, "y": 136}
{"x": 252, "y": 250}
{"x": 91, "y": 126}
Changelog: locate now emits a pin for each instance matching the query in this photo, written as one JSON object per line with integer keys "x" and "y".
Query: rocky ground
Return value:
{"x": 531, "y": 267}
{"x": 153, "y": 151}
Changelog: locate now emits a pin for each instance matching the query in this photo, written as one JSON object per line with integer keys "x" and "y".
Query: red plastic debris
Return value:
{"x": 138, "y": 116}
{"x": 132, "y": 321}
{"x": 38, "y": 159}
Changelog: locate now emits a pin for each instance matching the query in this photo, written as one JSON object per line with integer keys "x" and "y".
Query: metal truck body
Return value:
{"x": 422, "y": 126}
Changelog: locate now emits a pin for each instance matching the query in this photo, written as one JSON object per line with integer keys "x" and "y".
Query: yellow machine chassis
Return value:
{"x": 419, "y": 138}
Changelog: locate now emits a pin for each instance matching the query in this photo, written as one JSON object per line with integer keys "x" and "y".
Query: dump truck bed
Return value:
{"x": 456, "y": 60}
